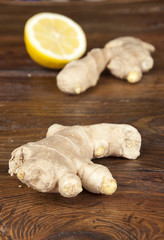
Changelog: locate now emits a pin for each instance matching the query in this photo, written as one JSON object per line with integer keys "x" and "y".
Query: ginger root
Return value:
{"x": 125, "y": 57}
{"x": 61, "y": 162}
{"x": 79, "y": 75}
{"x": 129, "y": 58}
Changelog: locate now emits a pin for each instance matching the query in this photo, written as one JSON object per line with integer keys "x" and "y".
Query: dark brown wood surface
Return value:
{"x": 30, "y": 102}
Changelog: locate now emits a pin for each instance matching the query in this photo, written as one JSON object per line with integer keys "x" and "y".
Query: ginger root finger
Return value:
{"x": 95, "y": 173}
{"x": 61, "y": 162}
{"x": 69, "y": 185}
{"x": 129, "y": 58}
{"x": 79, "y": 75}
{"x": 54, "y": 129}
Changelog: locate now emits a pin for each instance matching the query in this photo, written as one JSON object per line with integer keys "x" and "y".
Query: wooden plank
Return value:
{"x": 30, "y": 102}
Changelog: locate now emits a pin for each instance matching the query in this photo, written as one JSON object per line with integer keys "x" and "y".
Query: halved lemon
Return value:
{"x": 52, "y": 40}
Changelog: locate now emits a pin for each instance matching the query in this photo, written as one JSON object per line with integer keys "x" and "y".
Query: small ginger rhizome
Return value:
{"x": 125, "y": 57}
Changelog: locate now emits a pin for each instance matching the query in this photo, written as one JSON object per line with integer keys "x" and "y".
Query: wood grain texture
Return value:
{"x": 29, "y": 104}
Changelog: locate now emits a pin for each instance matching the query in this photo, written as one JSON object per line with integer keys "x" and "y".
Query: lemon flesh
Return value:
{"x": 52, "y": 40}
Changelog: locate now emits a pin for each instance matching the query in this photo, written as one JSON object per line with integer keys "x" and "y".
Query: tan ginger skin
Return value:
{"x": 61, "y": 162}
{"x": 125, "y": 57}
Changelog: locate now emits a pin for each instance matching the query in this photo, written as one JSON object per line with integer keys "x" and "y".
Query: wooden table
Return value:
{"x": 30, "y": 102}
